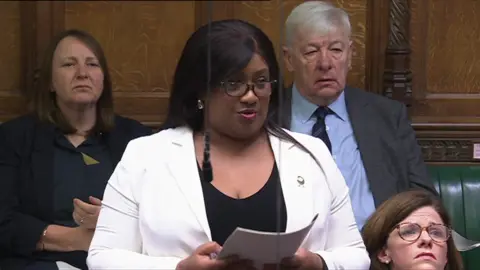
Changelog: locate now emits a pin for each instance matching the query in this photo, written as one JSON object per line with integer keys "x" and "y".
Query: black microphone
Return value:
{"x": 207, "y": 165}
{"x": 207, "y": 170}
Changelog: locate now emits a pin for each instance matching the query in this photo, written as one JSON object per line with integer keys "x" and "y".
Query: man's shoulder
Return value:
{"x": 377, "y": 101}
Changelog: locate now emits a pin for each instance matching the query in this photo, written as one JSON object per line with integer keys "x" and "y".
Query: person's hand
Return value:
{"x": 86, "y": 214}
{"x": 302, "y": 260}
{"x": 81, "y": 238}
{"x": 239, "y": 264}
{"x": 200, "y": 259}
{"x": 66, "y": 239}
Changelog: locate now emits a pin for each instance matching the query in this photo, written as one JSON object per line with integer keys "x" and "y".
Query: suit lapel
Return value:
{"x": 42, "y": 168}
{"x": 183, "y": 167}
{"x": 296, "y": 185}
{"x": 366, "y": 135}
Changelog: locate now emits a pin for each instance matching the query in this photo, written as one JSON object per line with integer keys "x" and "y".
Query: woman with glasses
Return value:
{"x": 411, "y": 231}
{"x": 220, "y": 163}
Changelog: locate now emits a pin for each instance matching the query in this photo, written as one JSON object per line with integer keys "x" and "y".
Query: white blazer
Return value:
{"x": 153, "y": 213}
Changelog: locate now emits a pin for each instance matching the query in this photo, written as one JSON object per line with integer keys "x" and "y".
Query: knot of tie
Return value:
{"x": 321, "y": 112}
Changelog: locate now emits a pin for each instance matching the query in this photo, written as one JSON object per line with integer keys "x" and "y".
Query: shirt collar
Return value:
{"x": 303, "y": 109}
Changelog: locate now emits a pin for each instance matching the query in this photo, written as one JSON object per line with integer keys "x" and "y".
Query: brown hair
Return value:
{"x": 43, "y": 100}
{"x": 379, "y": 226}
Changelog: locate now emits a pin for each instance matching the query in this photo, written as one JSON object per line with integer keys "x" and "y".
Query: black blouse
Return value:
{"x": 257, "y": 212}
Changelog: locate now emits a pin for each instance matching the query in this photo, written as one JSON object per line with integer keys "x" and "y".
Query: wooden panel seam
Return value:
{"x": 375, "y": 43}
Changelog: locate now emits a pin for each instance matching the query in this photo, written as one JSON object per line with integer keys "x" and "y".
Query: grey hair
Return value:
{"x": 316, "y": 16}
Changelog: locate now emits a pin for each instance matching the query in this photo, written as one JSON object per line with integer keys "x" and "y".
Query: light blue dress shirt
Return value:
{"x": 344, "y": 149}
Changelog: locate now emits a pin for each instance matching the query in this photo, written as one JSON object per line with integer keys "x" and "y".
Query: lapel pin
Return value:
{"x": 300, "y": 181}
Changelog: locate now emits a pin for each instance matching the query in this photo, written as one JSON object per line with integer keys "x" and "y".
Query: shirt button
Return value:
{"x": 327, "y": 128}
{"x": 334, "y": 157}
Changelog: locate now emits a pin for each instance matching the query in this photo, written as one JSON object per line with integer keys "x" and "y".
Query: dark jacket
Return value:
{"x": 26, "y": 184}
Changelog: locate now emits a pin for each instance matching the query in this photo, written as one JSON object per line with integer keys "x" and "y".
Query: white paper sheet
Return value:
{"x": 264, "y": 247}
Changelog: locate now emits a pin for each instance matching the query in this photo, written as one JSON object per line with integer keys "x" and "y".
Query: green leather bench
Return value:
{"x": 459, "y": 187}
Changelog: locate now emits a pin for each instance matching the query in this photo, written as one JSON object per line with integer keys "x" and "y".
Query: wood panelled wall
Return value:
{"x": 445, "y": 62}
{"x": 10, "y": 60}
{"x": 422, "y": 52}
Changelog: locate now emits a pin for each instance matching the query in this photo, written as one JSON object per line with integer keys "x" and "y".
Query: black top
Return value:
{"x": 257, "y": 212}
{"x": 79, "y": 172}
{"x": 74, "y": 177}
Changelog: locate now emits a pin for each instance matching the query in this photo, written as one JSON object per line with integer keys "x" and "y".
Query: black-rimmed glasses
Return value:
{"x": 411, "y": 232}
{"x": 239, "y": 88}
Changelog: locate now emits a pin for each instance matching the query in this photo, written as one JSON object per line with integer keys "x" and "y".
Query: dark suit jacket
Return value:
{"x": 26, "y": 184}
{"x": 387, "y": 143}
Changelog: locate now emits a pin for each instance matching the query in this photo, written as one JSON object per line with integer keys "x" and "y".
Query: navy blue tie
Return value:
{"x": 319, "y": 130}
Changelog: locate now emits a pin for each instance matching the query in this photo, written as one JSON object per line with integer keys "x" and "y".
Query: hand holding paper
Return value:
{"x": 201, "y": 259}
{"x": 264, "y": 247}
{"x": 303, "y": 259}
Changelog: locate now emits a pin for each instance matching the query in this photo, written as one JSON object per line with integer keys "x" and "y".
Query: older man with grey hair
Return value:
{"x": 369, "y": 136}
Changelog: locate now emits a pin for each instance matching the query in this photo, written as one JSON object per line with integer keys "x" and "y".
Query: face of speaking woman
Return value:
{"x": 237, "y": 109}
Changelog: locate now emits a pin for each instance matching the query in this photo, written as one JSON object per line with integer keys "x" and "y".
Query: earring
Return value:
{"x": 387, "y": 261}
{"x": 199, "y": 104}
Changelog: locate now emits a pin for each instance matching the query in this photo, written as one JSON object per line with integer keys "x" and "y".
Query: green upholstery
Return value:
{"x": 459, "y": 187}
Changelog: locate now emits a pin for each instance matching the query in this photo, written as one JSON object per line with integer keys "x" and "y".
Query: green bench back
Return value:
{"x": 459, "y": 187}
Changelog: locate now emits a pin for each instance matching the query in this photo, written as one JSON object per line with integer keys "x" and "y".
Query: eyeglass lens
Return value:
{"x": 238, "y": 88}
{"x": 412, "y": 231}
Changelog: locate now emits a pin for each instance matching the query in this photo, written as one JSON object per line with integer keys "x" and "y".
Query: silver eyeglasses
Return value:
{"x": 411, "y": 232}
{"x": 238, "y": 88}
